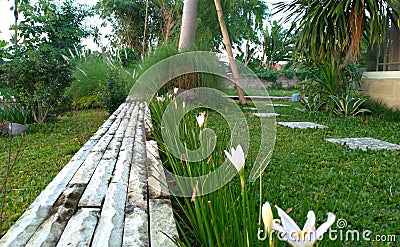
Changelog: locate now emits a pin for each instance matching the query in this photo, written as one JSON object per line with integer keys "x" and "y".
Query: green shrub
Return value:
{"x": 289, "y": 73}
{"x": 16, "y": 113}
{"x": 348, "y": 105}
{"x": 312, "y": 104}
{"x": 116, "y": 92}
{"x": 39, "y": 77}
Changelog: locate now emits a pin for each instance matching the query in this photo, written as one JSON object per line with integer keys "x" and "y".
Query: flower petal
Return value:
{"x": 267, "y": 216}
{"x": 287, "y": 222}
{"x": 310, "y": 223}
{"x": 325, "y": 226}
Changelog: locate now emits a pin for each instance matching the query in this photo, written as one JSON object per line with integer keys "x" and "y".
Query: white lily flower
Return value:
{"x": 160, "y": 98}
{"x": 236, "y": 157}
{"x": 267, "y": 216}
{"x": 201, "y": 119}
{"x": 176, "y": 90}
{"x": 301, "y": 238}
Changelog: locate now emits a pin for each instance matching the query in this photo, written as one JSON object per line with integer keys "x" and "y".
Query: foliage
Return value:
{"x": 16, "y": 113}
{"x": 39, "y": 77}
{"x": 62, "y": 27}
{"x": 268, "y": 75}
{"x": 244, "y": 20}
{"x": 3, "y": 51}
{"x": 46, "y": 150}
{"x": 348, "y": 105}
{"x": 312, "y": 104}
{"x": 278, "y": 45}
{"x": 116, "y": 92}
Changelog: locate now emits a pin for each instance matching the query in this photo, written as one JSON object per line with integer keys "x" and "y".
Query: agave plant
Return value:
{"x": 312, "y": 104}
{"x": 348, "y": 105}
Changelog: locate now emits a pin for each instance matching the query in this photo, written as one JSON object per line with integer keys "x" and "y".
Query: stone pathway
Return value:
{"x": 365, "y": 143}
{"x": 302, "y": 125}
{"x": 106, "y": 195}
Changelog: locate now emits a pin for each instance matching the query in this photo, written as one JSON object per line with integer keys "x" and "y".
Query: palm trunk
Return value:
{"x": 188, "y": 28}
{"x": 229, "y": 51}
{"x": 144, "y": 32}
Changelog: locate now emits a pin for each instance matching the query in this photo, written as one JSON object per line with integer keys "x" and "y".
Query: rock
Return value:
{"x": 15, "y": 128}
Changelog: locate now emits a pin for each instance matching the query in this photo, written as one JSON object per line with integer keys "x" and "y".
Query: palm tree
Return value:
{"x": 188, "y": 28}
{"x": 333, "y": 30}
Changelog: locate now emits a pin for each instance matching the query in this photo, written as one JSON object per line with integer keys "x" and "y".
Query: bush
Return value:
{"x": 39, "y": 77}
{"x": 116, "y": 92}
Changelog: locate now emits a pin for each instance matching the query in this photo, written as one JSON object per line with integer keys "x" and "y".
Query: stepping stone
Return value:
{"x": 365, "y": 143}
{"x": 302, "y": 125}
{"x": 262, "y": 114}
{"x": 277, "y": 105}
{"x": 250, "y": 108}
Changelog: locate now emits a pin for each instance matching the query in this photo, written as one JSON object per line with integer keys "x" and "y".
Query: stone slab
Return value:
{"x": 157, "y": 183}
{"x": 87, "y": 169}
{"x": 250, "y": 108}
{"x": 110, "y": 228}
{"x": 80, "y": 228}
{"x": 136, "y": 228}
{"x": 302, "y": 125}
{"x": 97, "y": 188}
{"x": 277, "y": 105}
{"x": 266, "y": 114}
{"x": 50, "y": 231}
{"x": 23, "y": 229}
{"x": 365, "y": 143}
{"x": 162, "y": 223}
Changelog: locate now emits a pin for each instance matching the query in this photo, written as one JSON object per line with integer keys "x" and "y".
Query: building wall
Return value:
{"x": 383, "y": 86}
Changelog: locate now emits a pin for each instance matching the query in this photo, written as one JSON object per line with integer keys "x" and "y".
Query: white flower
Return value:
{"x": 1, "y": 97}
{"x": 236, "y": 157}
{"x": 176, "y": 90}
{"x": 301, "y": 238}
{"x": 201, "y": 119}
{"x": 160, "y": 99}
{"x": 267, "y": 216}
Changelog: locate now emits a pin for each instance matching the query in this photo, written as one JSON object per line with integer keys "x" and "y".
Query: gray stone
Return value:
{"x": 17, "y": 129}
{"x": 136, "y": 228}
{"x": 250, "y": 108}
{"x": 50, "y": 231}
{"x": 97, "y": 188}
{"x": 365, "y": 143}
{"x": 110, "y": 228}
{"x": 162, "y": 223}
{"x": 157, "y": 183}
{"x": 263, "y": 114}
{"x": 28, "y": 223}
{"x": 80, "y": 228}
{"x": 302, "y": 125}
{"x": 121, "y": 172}
{"x": 277, "y": 105}
{"x": 87, "y": 169}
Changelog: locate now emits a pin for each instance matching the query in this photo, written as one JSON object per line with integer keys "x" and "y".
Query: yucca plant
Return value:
{"x": 313, "y": 103}
{"x": 348, "y": 105}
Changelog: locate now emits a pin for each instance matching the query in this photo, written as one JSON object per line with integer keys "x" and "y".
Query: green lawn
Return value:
{"x": 262, "y": 92}
{"x": 45, "y": 149}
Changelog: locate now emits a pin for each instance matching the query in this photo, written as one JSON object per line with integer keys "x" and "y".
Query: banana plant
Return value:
{"x": 348, "y": 105}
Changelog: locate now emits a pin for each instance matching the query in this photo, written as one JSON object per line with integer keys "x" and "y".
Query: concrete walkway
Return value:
{"x": 102, "y": 196}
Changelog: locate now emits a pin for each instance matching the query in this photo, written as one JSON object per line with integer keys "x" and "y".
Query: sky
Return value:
{"x": 7, "y": 19}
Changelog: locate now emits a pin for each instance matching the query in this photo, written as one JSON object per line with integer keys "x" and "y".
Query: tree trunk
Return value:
{"x": 188, "y": 28}
{"x": 229, "y": 51}
{"x": 144, "y": 32}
